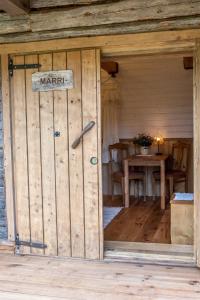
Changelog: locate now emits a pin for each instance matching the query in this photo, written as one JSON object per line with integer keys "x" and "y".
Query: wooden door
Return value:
{"x": 57, "y": 188}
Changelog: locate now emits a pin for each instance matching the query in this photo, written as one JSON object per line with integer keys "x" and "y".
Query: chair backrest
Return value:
{"x": 118, "y": 152}
{"x": 180, "y": 154}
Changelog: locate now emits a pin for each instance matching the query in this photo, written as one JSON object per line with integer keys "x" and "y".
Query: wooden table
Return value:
{"x": 145, "y": 161}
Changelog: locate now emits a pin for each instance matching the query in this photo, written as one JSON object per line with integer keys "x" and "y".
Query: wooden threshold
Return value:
{"x": 161, "y": 254}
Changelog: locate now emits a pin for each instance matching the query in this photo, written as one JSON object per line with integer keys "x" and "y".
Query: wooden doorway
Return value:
{"x": 56, "y": 188}
{"x": 144, "y": 226}
{"x": 137, "y": 44}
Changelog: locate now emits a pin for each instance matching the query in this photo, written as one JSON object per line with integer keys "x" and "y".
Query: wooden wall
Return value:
{"x": 156, "y": 97}
{"x": 69, "y": 18}
{"x": 3, "y": 220}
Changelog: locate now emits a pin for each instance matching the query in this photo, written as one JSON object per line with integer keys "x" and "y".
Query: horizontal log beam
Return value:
{"x": 183, "y": 40}
{"x": 56, "y": 3}
{"x": 128, "y": 16}
{"x": 127, "y": 28}
{"x": 113, "y": 13}
{"x": 10, "y": 24}
{"x": 15, "y": 7}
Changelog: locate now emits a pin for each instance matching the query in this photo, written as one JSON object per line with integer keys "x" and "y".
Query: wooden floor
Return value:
{"x": 37, "y": 278}
{"x": 141, "y": 222}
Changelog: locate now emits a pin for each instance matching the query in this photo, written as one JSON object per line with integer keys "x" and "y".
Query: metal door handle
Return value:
{"x": 86, "y": 129}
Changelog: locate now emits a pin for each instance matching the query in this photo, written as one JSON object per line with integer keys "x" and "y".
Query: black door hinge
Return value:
{"x": 12, "y": 67}
{"x": 19, "y": 243}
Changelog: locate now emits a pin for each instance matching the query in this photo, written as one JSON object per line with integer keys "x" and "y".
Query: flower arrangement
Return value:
{"x": 143, "y": 140}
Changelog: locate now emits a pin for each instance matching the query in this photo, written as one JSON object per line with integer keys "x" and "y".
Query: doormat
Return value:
{"x": 109, "y": 213}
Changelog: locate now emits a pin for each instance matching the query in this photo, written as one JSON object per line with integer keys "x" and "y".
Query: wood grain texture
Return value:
{"x": 61, "y": 188}
{"x": 34, "y": 157}
{"x": 97, "y": 18}
{"x": 76, "y": 157}
{"x": 45, "y": 279}
{"x": 48, "y": 162}
{"x": 62, "y": 163}
{"x": 126, "y": 184}
{"x": 141, "y": 222}
{"x": 55, "y": 3}
{"x": 90, "y": 149}
{"x": 109, "y": 14}
{"x": 150, "y": 247}
{"x": 21, "y": 178}
{"x": 14, "y": 24}
{"x": 197, "y": 152}
{"x": 182, "y": 222}
{"x": 7, "y": 247}
{"x": 116, "y": 12}
{"x": 125, "y": 28}
{"x": 99, "y": 149}
{"x": 143, "y": 43}
{"x": 162, "y": 184}
{"x": 7, "y": 144}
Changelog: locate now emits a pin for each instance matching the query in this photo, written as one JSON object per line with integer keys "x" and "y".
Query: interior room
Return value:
{"x": 147, "y": 133}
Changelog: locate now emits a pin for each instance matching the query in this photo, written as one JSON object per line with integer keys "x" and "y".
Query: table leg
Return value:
{"x": 145, "y": 183}
{"x": 162, "y": 184}
{"x": 126, "y": 184}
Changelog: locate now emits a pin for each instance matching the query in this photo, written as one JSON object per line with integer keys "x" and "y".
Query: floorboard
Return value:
{"x": 141, "y": 222}
{"x": 39, "y": 278}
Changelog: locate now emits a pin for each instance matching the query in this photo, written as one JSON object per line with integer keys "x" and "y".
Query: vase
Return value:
{"x": 144, "y": 150}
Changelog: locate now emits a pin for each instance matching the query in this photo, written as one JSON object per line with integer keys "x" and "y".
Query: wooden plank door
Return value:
{"x": 57, "y": 189}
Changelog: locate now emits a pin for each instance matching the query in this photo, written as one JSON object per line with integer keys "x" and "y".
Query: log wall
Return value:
{"x": 62, "y": 18}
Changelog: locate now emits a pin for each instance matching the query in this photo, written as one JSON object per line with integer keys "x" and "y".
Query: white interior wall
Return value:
{"x": 156, "y": 96}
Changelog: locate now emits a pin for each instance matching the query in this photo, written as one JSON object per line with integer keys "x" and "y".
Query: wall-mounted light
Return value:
{"x": 159, "y": 140}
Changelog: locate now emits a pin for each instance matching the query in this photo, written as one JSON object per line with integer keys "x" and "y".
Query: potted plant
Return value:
{"x": 144, "y": 141}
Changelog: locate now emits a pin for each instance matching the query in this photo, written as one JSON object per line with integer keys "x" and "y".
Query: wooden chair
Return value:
{"x": 117, "y": 170}
{"x": 177, "y": 170}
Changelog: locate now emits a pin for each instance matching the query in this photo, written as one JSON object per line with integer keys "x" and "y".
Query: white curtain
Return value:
{"x": 110, "y": 108}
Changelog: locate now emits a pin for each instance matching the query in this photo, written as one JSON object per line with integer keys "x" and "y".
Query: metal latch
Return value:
{"x": 12, "y": 67}
{"x": 19, "y": 243}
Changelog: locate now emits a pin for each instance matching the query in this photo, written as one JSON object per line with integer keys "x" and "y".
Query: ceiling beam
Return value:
{"x": 54, "y": 3}
{"x": 15, "y": 7}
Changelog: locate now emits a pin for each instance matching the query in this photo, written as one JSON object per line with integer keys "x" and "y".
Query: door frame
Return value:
{"x": 158, "y": 253}
{"x": 127, "y": 44}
